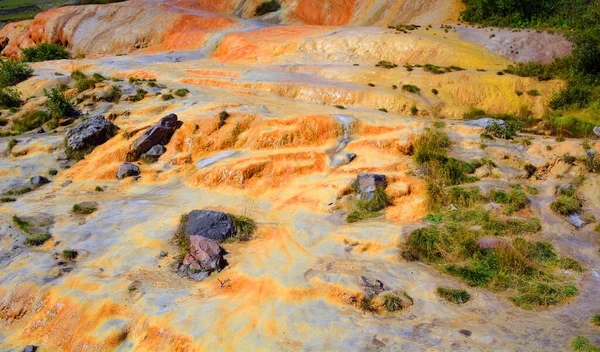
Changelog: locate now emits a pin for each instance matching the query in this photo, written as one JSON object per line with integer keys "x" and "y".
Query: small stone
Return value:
{"x": 156, "y": 151}
{"x": 597, "y": 131}
{"x": 576, "y": 220}
{"x": 41, "y": 130}
{"x": 369, "y": 183}
{"x": 38, "y": 181}
{"x": 465, "y": 332}
{"x": 128, "y": 169}
{"x": 162, "y": 254}
{"x": 66, "y": 183}
{"x": 30, "y": 348}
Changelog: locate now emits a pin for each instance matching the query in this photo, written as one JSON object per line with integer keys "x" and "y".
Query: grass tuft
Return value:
{"x": 38, "y": 240}
{"x": 83, "y": 210}
{"x": 244, "y": 226}
{"x": 69, "y": 254}
{"x": 453, "y": 295}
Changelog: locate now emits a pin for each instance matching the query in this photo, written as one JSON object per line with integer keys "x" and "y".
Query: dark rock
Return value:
{"x": 38, "y": 181}
{"x": 30, "y": 348}
{"x": 597, "y": 131}
{"x": 211, "y": 224}
{"x": 66, "y": 183}
{"x": 492, "y": 243}
{"x": 465, "y": 332}
{"x": 160, "y": 133}
{"x": 41, "y": 130}
{"x": 156, "y": 151}
{"x": 368, "y": 183}
{"x": 162, "y": 254}
{"x": 90, "y": 133}
{"x": 127, "y": 169}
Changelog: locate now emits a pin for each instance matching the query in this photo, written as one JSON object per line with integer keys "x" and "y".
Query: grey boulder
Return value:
{"x": 160, "y": 133}
{"x": 90, "y": 133}
{"x": 38, "y": 181}
{"x": 210, "y": 224}
{"x": 127, "y": 169}
{"x": 30, "y": 348}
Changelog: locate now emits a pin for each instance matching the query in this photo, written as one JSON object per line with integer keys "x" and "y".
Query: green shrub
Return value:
{"x": 244, "y": 226}
{"x": 181, "y": 92}
{"x": 38, "y": 240}
{"x": 98, "y": 77}
{"x": 59, "y": 104}
{"x": 571, "y": 126}
{"x": 533, "y": 93}
{"x": 52, "y": 172}
{"x": 582, "y": 344}
{"x": 7, "y": 199}
{"x": 166, "y": 97}
{"x": 595, "y": 320}
{"x": 99, "y": 189}
{"x": 10, "y": 98}
{"x": 30, "y": 120}
{"x": 371, "y": 85}
{"x": 69, "y": 254}
{"x": 45, "y": 52}
{"x": 84, "y": 84}
{"x": 514, "y": 200}
{"x": 453, "y": 295}
{"x": 435, "y": 91}
{"x": 433, "y": 69}
{"x": 83, "y": 210}
{"x": 474, "y": 114}
{"x": 508, "y": 130}
{"x": 341, "y": 107}
{"x": 139, "y": 95}
{"x": 414, "y": 110}
{"x": 411, "y": 88}
{"x": 431, "y": 145}
{"x": 267, "y": 7}
{"x": 13, "y": 72}
{"x": 573, "y": 96}
{"x": 386, "y": 64}
{"x": 77, "y": 74}
{"x": 180, "y": 239}
{"x": 114, "y": 94}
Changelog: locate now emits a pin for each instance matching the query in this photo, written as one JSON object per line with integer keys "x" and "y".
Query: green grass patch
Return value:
{"x": 583, "y": 344}
{"x": 7, "y": 199}
{"x": 244, "y": 226}
{"x": 22, "y": 224}
{"x": 514, "y": 200}
{"x": 386, "y": 64}
{"x": 38, "y": 240}
{"x": 30, "y": 120}
{"x": 139, "y": 95}
{"x": 83, "y": 210}
{"x": 595, "y": 320}
{"x": 392, "y": 303}
{"x": 453, "y": 295}
{"x": 180, "y": 239}
{"x": 13, "y": 72}
{"x": 566, "y": 205}
{"x": 69, "y": 254}
{"x": 181, "y": 92}
{"x": 369, "y": 208}
{"x": 18, "y": 191}
{"x": 411, "y": 88}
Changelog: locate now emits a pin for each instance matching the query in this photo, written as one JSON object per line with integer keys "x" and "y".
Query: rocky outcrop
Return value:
{"x": 155, "y": 152}
{"x": 210, "y": 224}
{"x": 90, "y": 133}
{"x": 157, "y": 135}
{"x": 127, "y": 169}
{"x": 368, "y": 184}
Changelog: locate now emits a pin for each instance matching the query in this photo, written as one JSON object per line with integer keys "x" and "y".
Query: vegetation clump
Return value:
{"x": 386, "y": 64}
{"x": 10, "y": 98}
{"x": 181, "y": 92}
{"x": 411, "y": 88}
{"x": 453, "y": 295}
{"x": 180, "y": 239}
{"x": 7, "y": 199}
{"x": 83, "y": 209}
{"x": 363, "y": 209}
{"x": 30, "y": 120}
{"x": 223, "y": 115}
{"x": 244, "y": 226}
{"x": 45, "y": 52}
{"x": 13, "y": 72}
{"x": 38, "y": 240}
{"x": 69, "y": 254}
{"x": 139, "y": 95}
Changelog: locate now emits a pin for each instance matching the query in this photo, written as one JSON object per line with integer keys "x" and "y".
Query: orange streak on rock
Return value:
{"x": 214, "y": 73}
{"x": 328, "y": 12}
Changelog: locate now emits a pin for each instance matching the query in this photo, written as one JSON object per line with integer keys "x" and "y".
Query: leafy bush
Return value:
{"x": 392, "y": 303}
{"x": 515, "y": 199}
{"x": 45, "y": 52}
{"x": 566, "y": 205}
{"x": 573, "y": 96}
{"x": 114, "y": 94}
{"x": 266, "y": 7}
{"x": 181, "y": 92}
{"x": 166, "y": 97}
{"x": 69, "y": 254}
{"x": 84, "y": 84}
{"x": 22, "y": 224}
{"x": 59, "y": 104}
{"x": 453, "y": 295}
{"x": 223, "y": 115}
{"x": 139, "y": 95}
{"x": 571, "y": 126}
{"x": 411, "y": 88}
{"x": 13, "y": 72}
{"x": 7, "y": 199}
{"x": 10, "y": 98}
{"x": 583, "y": 344}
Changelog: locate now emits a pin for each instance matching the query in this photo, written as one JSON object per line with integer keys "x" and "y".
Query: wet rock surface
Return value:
{"x": 159, "y": 134}
{"x": 90, "y": 133}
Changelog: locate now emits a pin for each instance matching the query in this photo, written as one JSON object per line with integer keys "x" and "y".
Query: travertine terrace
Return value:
{"x": 295, "y": 285}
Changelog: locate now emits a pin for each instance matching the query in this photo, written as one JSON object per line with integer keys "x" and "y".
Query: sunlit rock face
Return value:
{"x": 307, "y": 110}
